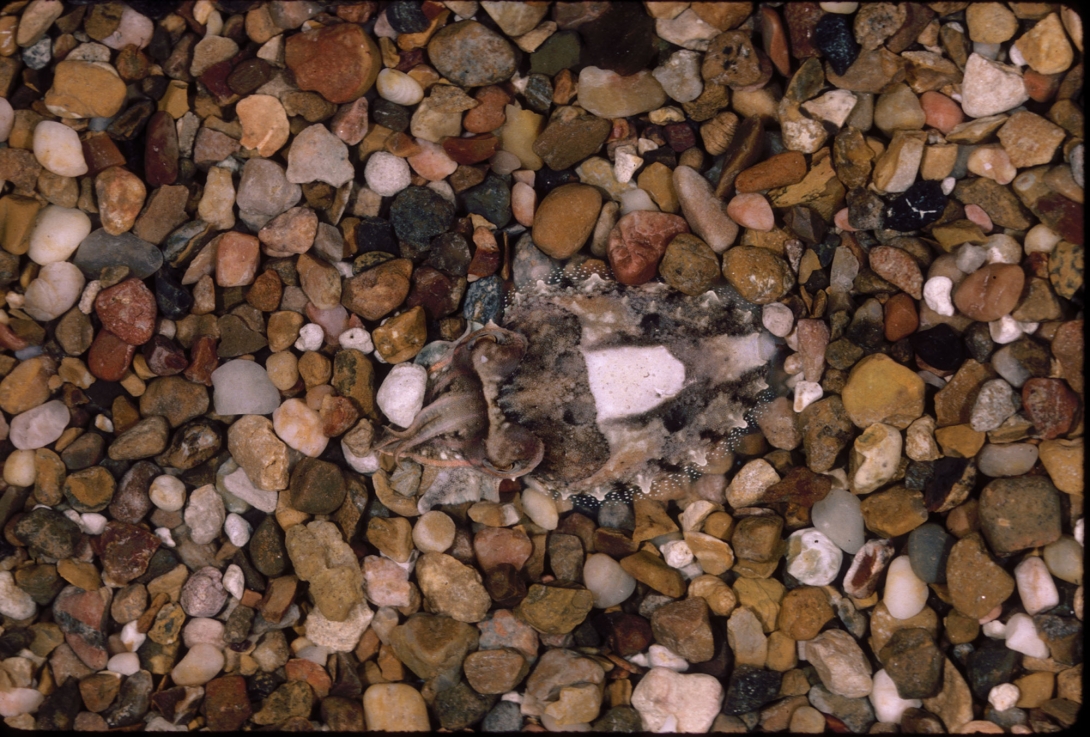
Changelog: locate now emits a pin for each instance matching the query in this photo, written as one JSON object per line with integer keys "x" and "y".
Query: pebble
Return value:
{"x": 683, "y": 702}
{"x": 199, "y": 666}
{"x": 812, "y": 558}
{"x": 990, "y": 87}
{"x": 905, "y": 595}
{"x": 609, "y": 95}
{"x": 40, "y": 426}
{"x": 57, "y": 233}
{"x": 56, "y": 289}
{"x": 243, "y": 388}
{"x": 401, "y": 395}
{"x": 889, "y": 707}
{"x": 316, "y": 155}
{"x": 839, "y": 518}
{"x": 57, "y": 148}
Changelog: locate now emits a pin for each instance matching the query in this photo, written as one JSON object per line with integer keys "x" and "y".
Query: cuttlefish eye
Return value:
{"x": 497, "y": 359}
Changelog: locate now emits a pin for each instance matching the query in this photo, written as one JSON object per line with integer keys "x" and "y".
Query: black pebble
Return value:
{"x": 419, "y": 214}
{"x": 406, "y": 16}
{"x": 173, "y": 299}
{"x": 940, "y": 347}
{"x": 920, "y": 206}
{"x": 548, "y": 179}
{"x": 835, "y": 40}
{"x": 621, "y": 40}
{"x": 751, "y": 688}
{"x": 490, "y": 199}
{"x": 375, "y": 234}
{"x": 390, "y": 115}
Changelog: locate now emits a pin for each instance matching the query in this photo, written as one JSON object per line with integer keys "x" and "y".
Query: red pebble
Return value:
{"x": 1050, "y": 405}
{"x": 203, "y": 361}
{"x": 128, "y": 311}
{"x": 637, "y": 243}
{"x": 109, "y": 357}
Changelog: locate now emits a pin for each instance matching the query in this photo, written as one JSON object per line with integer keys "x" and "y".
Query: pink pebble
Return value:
{"x": 841, "y": 221}
{"x": 523, "y": 203}
{"x": 432, "y": 162}
{"x": 940, "y": 111}
{"x": 976, "y": 214}
{"x": 991, "y": 616}
{"x": 751, "y": 211}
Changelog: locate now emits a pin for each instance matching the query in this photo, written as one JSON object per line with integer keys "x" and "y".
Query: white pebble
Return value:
{"x": 57, "y": 233}
{"x": 398, "y": 87}
{"x": 604, "y": 578}
{"x": 936, "y": 293}
{"x": 401, "y": 395}
{"x": 57, "y": 148}
{"x": 14, "y": 602}
{"x": 839, "y": 516}
{"x": 625, "y": 163}
{"x": 948, "y": 185}
{"x": 54, "y": 292}
{"x": 995, "y": 630}
{"x": 677, "y": 553}
{"x": 540, "y": 508}
{"x": 124, "y": 664}
{"x": 970, "y": 258}
{"x": 131, "y": 636}
{"x": 203, "y": 631}
{"x": 204, "y": 514}
{"x": 92, "y": 523}
{"x": 387, "y": 174}
{"x": 40, "y": 426}
{"x": 134, "y": 29}
{"x": 300, "y": 427}
{"x": 1041, "y": 239}
{"x": 357, "y": 338}
{"x": 311, "y": 336}
{"x": 434, "y": 532}
{"x": 660, "y": 656}
{"x": 243, "y": 388}
{"x": 1002, "y": 249}
{"x": 889, "y": 707}
{"x": 7, "y": 119}
{"x": 163, "y": 534}
{"x": 1005, "y": 330}
{"x": 234, "y": 581}
{"x": 167, "y": 493}
{"x": 1078, "y": 531}
{"x": 1036, "y": 588}
{"x": 634, "y": 200}
{"x": 778, "y": 319}
{"x": 1006, "y": 459}
{"x": 806, "y": 393}
{"x": 104, "y": 423}
{"x": 905, "y": 595}
{"x": 1015, "y": 56}
{"x": 18, "y": 701}
{"x": 360, "y": 464}
{"x": 20, "y": 469}
{"x": 238, "y": 530}
{"x": 1022, "y": 637}
{"x": 1004, "y": 696}
{"x": 199, "y": 666}
{"x": 812, "y": 557}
